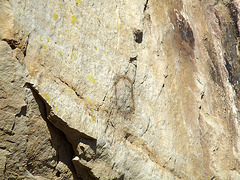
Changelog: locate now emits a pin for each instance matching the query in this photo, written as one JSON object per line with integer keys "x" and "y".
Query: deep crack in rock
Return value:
{"x": 72, "y": 136}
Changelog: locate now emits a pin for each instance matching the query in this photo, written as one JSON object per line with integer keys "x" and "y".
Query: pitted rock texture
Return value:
{"x": 125, "y": 89}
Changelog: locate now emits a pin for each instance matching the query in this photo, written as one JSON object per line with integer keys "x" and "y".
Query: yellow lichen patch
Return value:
{"x": 89, "y": 36}
{"x": 60, "y": 7}
{"x": 104, "y": 52}
{"x": 55, "y": 16}
{"x": 95, "y": 47}
{"x": 90, "y": 77}
{"x": 70, "y": 9}
{"x": 40, "y": 39}
{"x": 70, "y": 61}
{"x": 88, "y": 100}
{"x": 75, "y": 34}
{"x": 56, "y": 109}
{"x": 71, "y": 56}
{"x": 65, "y": 15}
{"x": 74, "y": 18}
{"x": 74, "y": 55}
{"x": 67, "y": 30}
{"x": 46, "y": 97}
{"x": 23, "y": 10}
{"x": 60, "y": 53}
{"x": 45, "y": 46}
{"x": 99, "y": 20}
{"x": 71, "y": 89}
{"x": 79, "y": 1}
{"x": 93, "y": 118}
{"x": 47, "y": 40}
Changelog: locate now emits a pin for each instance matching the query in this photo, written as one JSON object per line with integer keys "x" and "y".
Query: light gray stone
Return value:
{"x": 121, "y": 89}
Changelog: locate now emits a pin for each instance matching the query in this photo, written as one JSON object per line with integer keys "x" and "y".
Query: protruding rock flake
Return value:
{"x": 132, "y": 89}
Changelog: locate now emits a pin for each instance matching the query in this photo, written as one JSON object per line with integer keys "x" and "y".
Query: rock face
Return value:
{"x": 119, "y": 90}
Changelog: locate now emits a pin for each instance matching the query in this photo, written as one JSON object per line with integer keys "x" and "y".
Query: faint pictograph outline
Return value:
{"x": 132, "y": 107}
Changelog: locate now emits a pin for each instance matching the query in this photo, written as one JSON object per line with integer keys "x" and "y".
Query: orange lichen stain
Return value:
{"x": 55, "y": 16}
{"x": 23, "y": 10}
{"x": 40, "y": 39}
{"x": 60, "y": 7}
{"x": 79, "y": 1}
{"x": 93, "y": 118}
{"x": 60, "y": 53}
{"x": 90, "y": 77}
{"x": 67, "y": 30}
{"x": 74, "y": 18}
{"x": 47, "y": 40}
{"x": 46, "y": 97}
{"x": 45, "y": 46}
{"x": 75, "y": 34}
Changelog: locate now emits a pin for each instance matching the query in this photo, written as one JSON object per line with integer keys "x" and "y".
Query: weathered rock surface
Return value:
{"x": 119, "y": 90}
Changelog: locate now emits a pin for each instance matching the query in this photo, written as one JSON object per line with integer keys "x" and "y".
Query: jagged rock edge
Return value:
{"x": 51, "y": 117}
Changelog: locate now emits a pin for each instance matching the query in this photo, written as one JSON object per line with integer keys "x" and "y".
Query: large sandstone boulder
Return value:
{"x": 125, "y": 89}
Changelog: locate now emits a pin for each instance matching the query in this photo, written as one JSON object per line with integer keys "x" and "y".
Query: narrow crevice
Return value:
{"x": 104, "y": 98}
{"x": 13, "y": 126}
{"x": 145, "y": 6}
{"x": 146, "y": 128}
{"x": 25, "y": 50}
{"x": 5, "y": 169}
{"x": 218, "y": 18}
{"x": 213, "y": 178}
{"x": 234, "y": 15}
{"x": 144, "y": 79}
{"x": 160, "y": 92}
{"x": 72, "y": 136}
{"x": 229, "y": 69}
{"x": 74, "y": 89}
